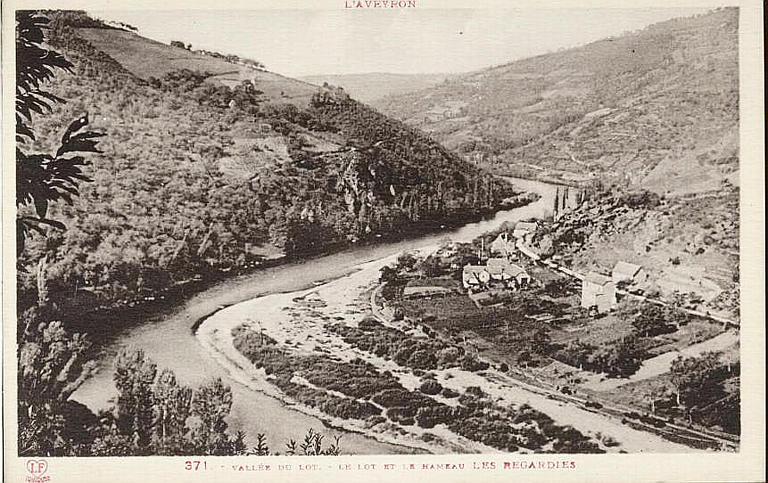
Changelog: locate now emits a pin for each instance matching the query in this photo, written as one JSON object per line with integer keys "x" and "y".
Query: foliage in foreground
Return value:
{"x": 42, "y": 178}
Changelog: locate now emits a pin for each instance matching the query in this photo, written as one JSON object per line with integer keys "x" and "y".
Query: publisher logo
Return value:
{"x": 36, "y": 470}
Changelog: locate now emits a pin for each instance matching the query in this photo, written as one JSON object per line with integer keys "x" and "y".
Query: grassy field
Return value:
{"x": 147, "y": 58}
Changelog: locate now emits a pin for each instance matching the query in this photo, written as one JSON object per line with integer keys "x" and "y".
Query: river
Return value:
{"x": 168, "y": 340}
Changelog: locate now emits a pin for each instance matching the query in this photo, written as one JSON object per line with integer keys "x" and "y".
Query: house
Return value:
{"x": 502, "y": 245}
{"x": 524, "y": 228}
{"x": 598, "y": 291}
{"x": 628, "y": 272}
{"x": 500, "y": 269}
{"x": 474, "y": 276}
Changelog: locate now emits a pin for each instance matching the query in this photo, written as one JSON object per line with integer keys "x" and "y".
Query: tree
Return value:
{"x": 312, "y": 445}
{"x": 624, "y": 358}
{"x": 52, "y": 365}
{"x": 40, "y": 177}
{"x": 697, "y": 379}
{"x": 431, "y": 267}
{"x": 651, "y": 320}
{"x": 173, "y": 406}
{"x": 388, "y": 274}
{"x": 156, "y": 415}
{"x": 211, "y": 404}
{"x": 134, "y": 378}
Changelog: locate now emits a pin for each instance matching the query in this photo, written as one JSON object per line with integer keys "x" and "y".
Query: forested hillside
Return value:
{"x": 656, "y": 108}
{"x": 197, "y": 176}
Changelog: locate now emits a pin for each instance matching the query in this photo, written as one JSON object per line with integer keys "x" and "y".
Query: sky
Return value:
{"x": 408, "y": 41}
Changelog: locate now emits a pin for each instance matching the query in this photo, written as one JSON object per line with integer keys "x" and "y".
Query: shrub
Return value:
{"x": 348, "y": 408}
{"x": 431, "y": 387}
{"x": 374, "y": 420}
{"x": 402, "y": 415}
{"x": 470, "y": 363}
{"x": 401, "y": 397}
{"x": 448, "y": 357}
{"x": 475, "y": 391}
{"x": 422, "y": 359}
{"x": 369, "y": 323}
{"x": 428, "y": 437}
{"x": 430, "y": 416}
{"x": 449, "y": 393}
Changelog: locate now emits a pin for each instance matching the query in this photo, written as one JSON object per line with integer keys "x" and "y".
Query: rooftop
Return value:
{"x": 626, "y": 268}
{"x": 596, "y": 278}
{"x": 498, "y": 265}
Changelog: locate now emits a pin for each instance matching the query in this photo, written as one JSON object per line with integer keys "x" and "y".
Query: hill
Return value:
{"x": 147, "y": 58}
{"x": 372, "y": 86}
{"x": 197, "y": 177}
{"x": 656, "y": 108}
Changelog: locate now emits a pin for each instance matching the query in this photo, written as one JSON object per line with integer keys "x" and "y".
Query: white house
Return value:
{"x": 598, "y": 291}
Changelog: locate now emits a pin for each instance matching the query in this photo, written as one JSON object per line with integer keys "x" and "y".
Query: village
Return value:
{"x": 606, "y": 338}
{"x": 501, "y": 267}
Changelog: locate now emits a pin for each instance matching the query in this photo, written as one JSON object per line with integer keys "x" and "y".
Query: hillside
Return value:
{"x": 147, "y": 58}
{"x": 198, "y": 178}
{"x": 656, "y": 108}
{"x": 689, "y": 246}
{"x": 373, "y": 86}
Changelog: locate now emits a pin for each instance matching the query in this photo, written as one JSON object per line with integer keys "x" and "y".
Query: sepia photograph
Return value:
{"x": 495, "y": 238}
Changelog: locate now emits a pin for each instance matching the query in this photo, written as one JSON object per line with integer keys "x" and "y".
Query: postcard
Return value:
{"x": 378, "y": 240}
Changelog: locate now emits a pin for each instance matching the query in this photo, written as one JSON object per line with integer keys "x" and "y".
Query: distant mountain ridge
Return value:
{"x": 656, "y": 108}
{"x": 372, "y": 86}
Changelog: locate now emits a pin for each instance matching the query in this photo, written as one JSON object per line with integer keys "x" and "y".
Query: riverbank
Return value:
{"x": 167, "y": 339}
{"x": 104, "y": 322}
{"x": 282, "y": 318}
{"x": 295, "y": 320}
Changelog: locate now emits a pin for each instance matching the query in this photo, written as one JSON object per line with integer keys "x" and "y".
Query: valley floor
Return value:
{"x": 297, "y": 321}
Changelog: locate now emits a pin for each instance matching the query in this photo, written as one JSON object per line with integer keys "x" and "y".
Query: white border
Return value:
{"x": 748, "y": 465}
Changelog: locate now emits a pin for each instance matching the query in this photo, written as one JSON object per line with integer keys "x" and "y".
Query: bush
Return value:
{"x": 402, "y": 415}
{"x": 449, "y": 357}
{"x": 431, "y": 387}
{"x": 640, "y": 199}
{"x": 369, "y": 323}
{"x": 428, "y": 437}
{"x": 422, "y": 359}
{"x": 348, "y": 408}
{"x": 374, "y": 420}
{"x": 470, "y": 363}
{"x": 449, "y": 393}
{"x": 431, "y": 416}
{"x": 391, "y": 398}
{"x": 475, "y": 391}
